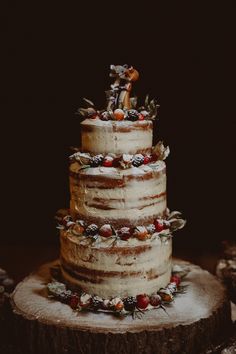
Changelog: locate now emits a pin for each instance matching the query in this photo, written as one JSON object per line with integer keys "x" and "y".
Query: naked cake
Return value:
{"x": 115, "y": 288}
{"x": 116, "y": 238}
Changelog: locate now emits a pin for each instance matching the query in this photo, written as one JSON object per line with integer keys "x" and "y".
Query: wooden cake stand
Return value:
{"x": 191, "y": 324}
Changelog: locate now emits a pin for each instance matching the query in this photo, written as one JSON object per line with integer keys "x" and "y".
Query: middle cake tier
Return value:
{"x": 102, "y": 195}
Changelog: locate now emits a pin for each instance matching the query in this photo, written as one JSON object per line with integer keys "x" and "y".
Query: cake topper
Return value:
{"x": 120, "y": 105}
{"x": 119, "y": 95}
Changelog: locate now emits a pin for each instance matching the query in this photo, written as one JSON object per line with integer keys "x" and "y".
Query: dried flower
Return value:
{"x": 126, "y": 161}
{"x": 161, "y": 151}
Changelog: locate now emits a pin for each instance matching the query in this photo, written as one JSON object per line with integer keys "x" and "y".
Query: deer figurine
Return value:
{"x": 119, "y": 95}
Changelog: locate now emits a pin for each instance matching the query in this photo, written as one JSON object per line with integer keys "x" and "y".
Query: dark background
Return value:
{"x": 54, "y": 56}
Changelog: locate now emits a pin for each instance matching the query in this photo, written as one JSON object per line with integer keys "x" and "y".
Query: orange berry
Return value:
{"x": 166, "y": 295}
{"x": 141, "y": 233}
{"x": 141, "y": 117}
{"x": 119, "y": 306}
{"x": 77, "y": 229}
{"x": 119, "y": 114}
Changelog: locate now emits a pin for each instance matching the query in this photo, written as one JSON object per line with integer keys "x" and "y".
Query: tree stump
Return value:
{"x": 195, "y": 321}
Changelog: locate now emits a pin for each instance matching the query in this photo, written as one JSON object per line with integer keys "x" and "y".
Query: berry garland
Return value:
{"x": 159, "y": 152}
{"x": 146, "y": 112}
{"x": 130, "y": 305}
{"x": 162, "y": 228}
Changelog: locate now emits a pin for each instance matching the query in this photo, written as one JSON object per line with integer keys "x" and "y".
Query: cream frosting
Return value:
{"x": 109, "y": 194}
{"x": 123, "y": 137}
{"x": 127, "y": 269}
{"x": 132, "y": 198}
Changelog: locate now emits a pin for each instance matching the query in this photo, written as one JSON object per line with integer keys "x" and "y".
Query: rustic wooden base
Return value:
{"x": 195, "y": 321}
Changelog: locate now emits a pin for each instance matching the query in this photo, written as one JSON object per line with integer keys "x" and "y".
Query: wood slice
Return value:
{"x": 192, "y": 323}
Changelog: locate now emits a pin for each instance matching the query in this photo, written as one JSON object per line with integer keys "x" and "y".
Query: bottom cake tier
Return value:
{"x": 124, "y": 269}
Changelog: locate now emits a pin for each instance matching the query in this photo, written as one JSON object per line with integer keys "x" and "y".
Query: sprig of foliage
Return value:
{"x": 89, "y": 109}
{"x": 151, "y": 106}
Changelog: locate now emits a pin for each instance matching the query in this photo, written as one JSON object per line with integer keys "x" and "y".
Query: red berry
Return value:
{"x": 166, "y": 224}
{"x": 125, "y": 233}
{"x": 142, "y": 301}
{"x": 74, "y": 301}
{"x": 147, "y": 159}
{"x": 155, "y": 300}
{"x": 159, "y": 225}
{"x": 108, "y": 161}
{"x": 106, "y": 231}
{"x": 175, "y": 279}
{"x": 141, "y": 116}
{"x": 153, "y": 157}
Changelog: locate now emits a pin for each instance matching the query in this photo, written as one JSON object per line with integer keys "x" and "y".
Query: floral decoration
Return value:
{"x": 85, "y": 160}
{"x": 162, "y": 228}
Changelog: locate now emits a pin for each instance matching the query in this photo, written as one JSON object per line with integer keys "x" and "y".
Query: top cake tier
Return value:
{"x": 118, "y": 137}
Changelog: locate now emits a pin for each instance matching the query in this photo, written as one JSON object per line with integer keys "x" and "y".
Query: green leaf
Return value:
{"x": 82, "y": 112}
{"x": 177, "y": 224}
{"x": 88, "y": 102}
{"x": 174, "y": 214}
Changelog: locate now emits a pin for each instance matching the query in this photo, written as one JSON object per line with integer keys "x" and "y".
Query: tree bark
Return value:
{"x": 196, "y": 321}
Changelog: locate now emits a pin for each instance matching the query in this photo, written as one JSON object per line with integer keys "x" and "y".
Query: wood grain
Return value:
{"x": 195, "y": 321}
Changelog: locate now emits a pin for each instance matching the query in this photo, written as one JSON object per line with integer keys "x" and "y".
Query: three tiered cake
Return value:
{"x": 116, "y": 246}
{"x": 116, "y": 239}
